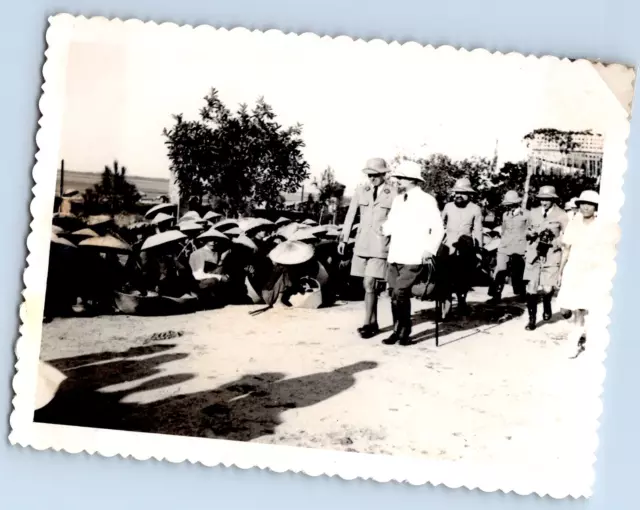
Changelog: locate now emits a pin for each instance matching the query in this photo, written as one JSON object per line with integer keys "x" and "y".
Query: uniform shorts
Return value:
{"x": 371, "y": 267}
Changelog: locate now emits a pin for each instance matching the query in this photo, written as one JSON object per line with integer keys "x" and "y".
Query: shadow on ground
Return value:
{"x": 480, "y": 315}
{"x": 245, "y": 409}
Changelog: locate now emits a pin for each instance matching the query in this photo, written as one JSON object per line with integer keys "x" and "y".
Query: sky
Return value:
{"x": 355, "y": 100}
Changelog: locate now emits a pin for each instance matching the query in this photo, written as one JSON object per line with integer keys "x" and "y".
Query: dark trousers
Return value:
{"x": 401, "y": 278}
{"x": 508, "y": 265}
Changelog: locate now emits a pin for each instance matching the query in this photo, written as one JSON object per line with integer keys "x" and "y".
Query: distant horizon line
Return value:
{"x": 135, "y": 176}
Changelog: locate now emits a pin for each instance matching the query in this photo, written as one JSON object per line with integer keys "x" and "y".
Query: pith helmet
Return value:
{"x": 547, "y": 192}
{"x": 463, "y": 186}
{"x": 511, "y": 197}
{"x": 376, "y": 166}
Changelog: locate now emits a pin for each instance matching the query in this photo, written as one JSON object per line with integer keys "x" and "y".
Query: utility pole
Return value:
{"x": 61, "y": 177}
{"x": 530, "y": 170}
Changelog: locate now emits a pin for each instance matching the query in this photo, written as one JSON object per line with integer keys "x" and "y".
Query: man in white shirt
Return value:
{"x": 416, "y": 230}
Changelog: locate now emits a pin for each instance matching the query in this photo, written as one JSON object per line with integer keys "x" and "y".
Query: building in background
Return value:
{"x": 565, "y": 152}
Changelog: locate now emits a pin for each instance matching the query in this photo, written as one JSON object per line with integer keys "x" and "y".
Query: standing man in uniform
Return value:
{"x": 416, "y": 231}
{"x": 463, "y": 238}
{"x": 543, "y": 257}
{"x": 373, "y": 200}
{"x": 513, "y": 244}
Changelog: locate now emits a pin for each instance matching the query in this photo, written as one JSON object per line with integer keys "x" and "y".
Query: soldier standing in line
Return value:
{"x": 373, "y": 201}
{"x": 463, "y": 238}
{"x": 513, "y": 244}
{"x": 543, "y": 257}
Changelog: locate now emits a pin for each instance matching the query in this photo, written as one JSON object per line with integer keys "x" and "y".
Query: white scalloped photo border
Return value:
{"x": 381, "y": 468}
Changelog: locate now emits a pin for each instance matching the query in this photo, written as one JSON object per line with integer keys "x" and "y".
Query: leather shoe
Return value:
{"x": 393, "y": 339}
{"x": 369, "y": 331}
{"x": 405, "y": 341}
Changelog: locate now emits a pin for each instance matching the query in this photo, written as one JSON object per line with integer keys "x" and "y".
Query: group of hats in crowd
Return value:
{"x": 160, "y": 228}
{"x": 295, "y": 240}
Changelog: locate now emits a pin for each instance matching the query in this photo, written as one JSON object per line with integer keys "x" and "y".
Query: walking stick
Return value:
{"x": 438, "y": 312}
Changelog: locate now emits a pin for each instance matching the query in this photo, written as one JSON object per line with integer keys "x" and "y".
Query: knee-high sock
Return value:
{"x": 370, "y": 307}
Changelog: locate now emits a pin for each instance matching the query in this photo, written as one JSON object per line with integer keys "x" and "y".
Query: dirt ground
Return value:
{"x": 491, "y": 392}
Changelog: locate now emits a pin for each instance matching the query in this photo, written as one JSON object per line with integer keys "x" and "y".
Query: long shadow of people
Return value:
{"x": 64, "y": 364}
{"x": 245, "y": 409}
{"x": 259, "y": 413}
{"x": 78, "y": 401}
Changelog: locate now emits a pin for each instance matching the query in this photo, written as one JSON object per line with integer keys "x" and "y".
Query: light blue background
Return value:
{"x": 605, "y": 29}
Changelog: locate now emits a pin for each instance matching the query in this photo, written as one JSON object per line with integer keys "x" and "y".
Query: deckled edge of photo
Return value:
{"x": 142, "y": 446}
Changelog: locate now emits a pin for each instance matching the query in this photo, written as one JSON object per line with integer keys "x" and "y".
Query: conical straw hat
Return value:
{"x": 258, "y": 224}
{"x": 106, "y": 243}
{"x": 161, "y": 218}
{"x": 289, "y": 229}
{"x": 163, "y": 238}
{"x": 291, "y": 253}
{"x": 61, "y": 240}
{"x": 190, "y": 216}
{"x": 282, "y": 221}
{"x": 85, "y": 232}
{"x": 245, "y": 241}
{"x": 189, "y": 226}
{"x": 235, "y": 231}
{"x": 213, "y": 234}
{"x": 224, "y": 225}
{"x": 210, "y": 215}
{"x": 153, "y": 212}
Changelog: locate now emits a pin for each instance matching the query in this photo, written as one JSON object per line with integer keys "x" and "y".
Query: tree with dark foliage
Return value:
{"x": 241, "y": 159}
{"x": 440, "y": 173}
{"x": 113, "y": 194}
{"x": 330, "y": 191}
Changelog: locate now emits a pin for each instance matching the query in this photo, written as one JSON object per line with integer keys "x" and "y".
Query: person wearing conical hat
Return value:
{"x": 512, "y": 247}
{"x": 162, "y": 222}
{"x": 543, "y": 256}
{"x": 586, "y": 269}
{"x": 294, "y": 266}
{"x": 463, "y": 238}
{"x": 415, "y": 229}
{"x": 373, "y": 202}
{"x": 212, "y": 247}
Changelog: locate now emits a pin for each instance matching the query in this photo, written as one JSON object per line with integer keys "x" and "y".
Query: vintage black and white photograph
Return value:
{"x": 399, "y": 255}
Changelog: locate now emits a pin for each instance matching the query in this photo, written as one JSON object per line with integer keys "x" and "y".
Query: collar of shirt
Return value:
{"x": 412, "y": 191}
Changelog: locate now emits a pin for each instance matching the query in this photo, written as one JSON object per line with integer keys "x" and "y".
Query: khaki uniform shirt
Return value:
{"x": 462, "y": 221}
{"x": 514, "y": 231}
{"x": 556, "y": 220}
{"x": 370, "y": 242}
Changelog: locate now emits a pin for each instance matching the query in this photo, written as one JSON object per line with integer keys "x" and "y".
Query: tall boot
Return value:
{"x": 495, "y": 292}
{"x": 404, "y": 319}
{"x": 546, "y": 307}
{"x": 462, "y": 308}
{"x": 394, "y": 337}
{"x": 496, "y": 287}
{"x": 532, "y": 308}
